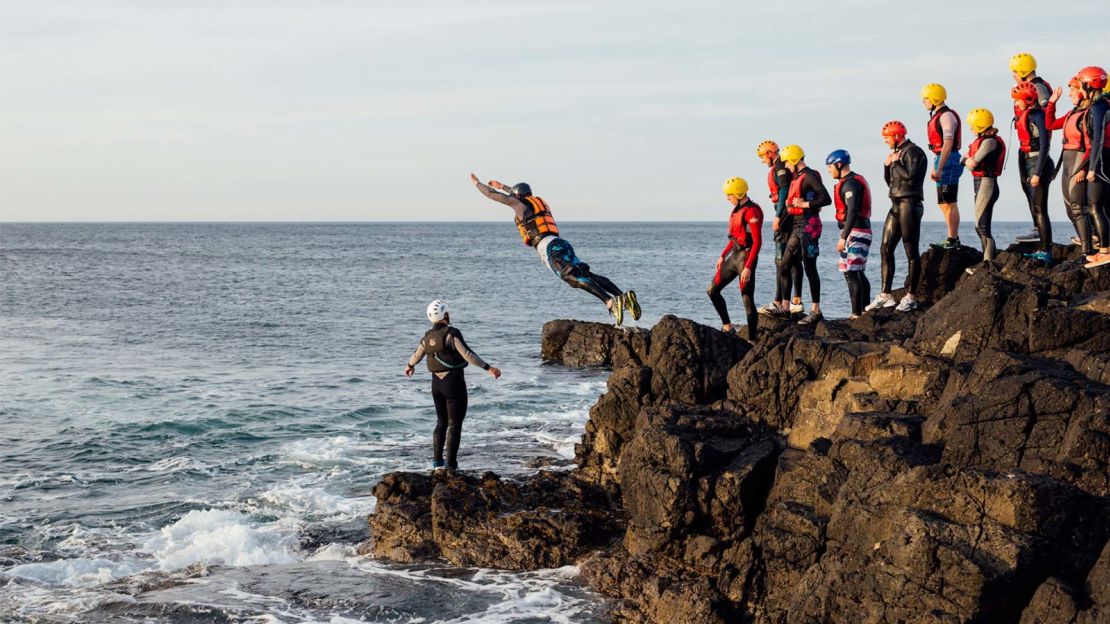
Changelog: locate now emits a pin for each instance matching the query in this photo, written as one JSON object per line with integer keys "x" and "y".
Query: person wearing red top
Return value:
{"x": 740, "y": 255}
{"x": 1074, "y": 162}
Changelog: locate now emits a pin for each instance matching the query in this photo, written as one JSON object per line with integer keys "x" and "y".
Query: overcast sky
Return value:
{"x": 155, "y": 110}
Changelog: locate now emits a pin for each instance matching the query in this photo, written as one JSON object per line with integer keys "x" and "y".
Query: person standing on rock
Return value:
{"x": 944, "y": 141}
{"x": 448, "y": 354}
{"x": 740, "y": 255}
{"x": 806, "y": 197}
{"x": 985, "y": 159}
{"x": 1023, "y": 68}
{"x": 538, "y": 230}
{"x": 778, "y": 183}
{"x": 1074, "y": 160}
{"x": 1093, "y": 81}
{"x": 905, "y": 169}
{"x": 1034, "y": 162}
{"x": 852, "y": 197}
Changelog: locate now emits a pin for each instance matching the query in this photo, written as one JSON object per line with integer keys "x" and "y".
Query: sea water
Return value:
{"x": 192, "y": 416}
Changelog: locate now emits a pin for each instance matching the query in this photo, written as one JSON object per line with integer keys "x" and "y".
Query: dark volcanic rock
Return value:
{"x": 579, "y": 343}
{"x": 549, "y": 520}
{"x": 946, "y": 465}
{"x": 1016, "y": 412}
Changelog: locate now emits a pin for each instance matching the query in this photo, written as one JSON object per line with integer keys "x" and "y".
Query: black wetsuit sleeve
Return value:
{"x": 417, "y": 355}
{"x": 504, "y": 198}
{"x": 821, "y": 197}
{"x": 783, "y": 179}
{"x": 851, "y": 193}
{"x": 457, "y": 343}
{"x": 916, "y": 165}
{"x": 1100, "y": 117}
{"x": 1044, "y": 139}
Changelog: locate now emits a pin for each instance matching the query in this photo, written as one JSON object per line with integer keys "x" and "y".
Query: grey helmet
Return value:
{"x": 521, "y": 189}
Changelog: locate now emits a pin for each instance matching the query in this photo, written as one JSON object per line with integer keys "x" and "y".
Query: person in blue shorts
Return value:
{"x": 944, "y": 141}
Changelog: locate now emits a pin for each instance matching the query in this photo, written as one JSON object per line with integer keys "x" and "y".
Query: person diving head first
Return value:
{"x": 537, "y": 228}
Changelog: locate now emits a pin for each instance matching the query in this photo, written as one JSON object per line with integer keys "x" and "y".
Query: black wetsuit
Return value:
{"x": 1098, "y": 192}
{"x": 853, "y": 194}
{"x": 802, "y": 245}
{"x": 742, "y": 252}
{"x": 906, "y": 179}
{"x": 782, "y": 178}
{"x": 448, "y": 354}
{"x": 558, "y": 254}
{"x": 1037, "y": 162}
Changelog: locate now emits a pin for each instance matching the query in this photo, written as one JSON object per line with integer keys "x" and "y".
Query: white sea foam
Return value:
{"x": 222, "y": 537}
{"x": 314, "y": 501}
{"x": 317, "y": 451}
{"x": 76, "y": 572}
{"x": 563, "y": 446}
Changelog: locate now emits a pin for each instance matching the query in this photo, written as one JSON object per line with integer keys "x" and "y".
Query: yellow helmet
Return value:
{"x": 791, "y": 154}
{"x": 980, "y": 119}
{"x": 1023, "y": 64}
{"x": 934, "y": 92}
{"x": 766, "y": 146}
{"x": 736, "y": 186}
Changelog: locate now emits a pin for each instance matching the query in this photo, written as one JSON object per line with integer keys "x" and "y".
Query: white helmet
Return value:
{"x": 437, "y": 310}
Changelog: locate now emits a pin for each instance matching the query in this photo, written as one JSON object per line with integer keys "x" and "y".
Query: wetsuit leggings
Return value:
{"x": 903, "y": 223}
{"x": 1075, "y": 198}
{"x": 794, "y": 278}
{"x": 1098, "y": 205}
{"x": 731, "y": 267}
{"x": 1037, "y": 198}
{"x": 449, "y": 395}
{"x": 859, "y": 290}
{"x": 795, "y": 255}
{"x": 597, "y": 285}
{"x": 986, "y": 195}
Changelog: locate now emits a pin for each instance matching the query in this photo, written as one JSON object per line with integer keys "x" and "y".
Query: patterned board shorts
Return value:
{"x": 854, "y": 256}
{"x": 558, "y": 255}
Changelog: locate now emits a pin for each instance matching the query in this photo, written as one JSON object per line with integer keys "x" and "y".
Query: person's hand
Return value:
{"x": 1090, "y": 176}
{"x": 1079, "y": 178}
{"x": 745, "y": 275}
{"x": 840, "y": 245}
{"x": 890, "y": 158}
{"x": 718, "y": 266}
{"x": 935, "y": 175}
{"x": 1035, "y": 181}
{"x": 495, "y": 372}
{"x": 409, "y": 371}
{"x": 1056, "y": 94}
{"x": 474, "y": 179}
{"x": 497, "y": 185}
{"x": 775, "y": 225}
{"x": 801, "y": 203}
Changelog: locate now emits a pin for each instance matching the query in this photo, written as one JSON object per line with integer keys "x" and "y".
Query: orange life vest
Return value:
{"x": 537, "y": 222}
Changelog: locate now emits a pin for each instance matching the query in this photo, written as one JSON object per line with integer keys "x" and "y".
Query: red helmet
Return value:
{"x": 1026, "y": 91}
{"x": 1093, "y": 78}
{"x": 1074, "y": 83}
{"x": 895, "y": 129}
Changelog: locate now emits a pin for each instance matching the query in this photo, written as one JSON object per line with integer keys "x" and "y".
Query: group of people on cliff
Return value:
{"x": 798, "y": 194}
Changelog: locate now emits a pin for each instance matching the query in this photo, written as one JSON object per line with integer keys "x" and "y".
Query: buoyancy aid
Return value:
{"x": 537, "y": 221}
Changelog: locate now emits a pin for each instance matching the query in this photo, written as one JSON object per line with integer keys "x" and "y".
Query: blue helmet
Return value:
{"x": 839, "y": 157}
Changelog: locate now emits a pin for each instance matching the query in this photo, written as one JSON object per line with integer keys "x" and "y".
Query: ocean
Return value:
{"x": 200, "y": 411}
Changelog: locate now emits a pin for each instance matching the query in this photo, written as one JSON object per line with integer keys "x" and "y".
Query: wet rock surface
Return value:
{"x": 944, "y": 465}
